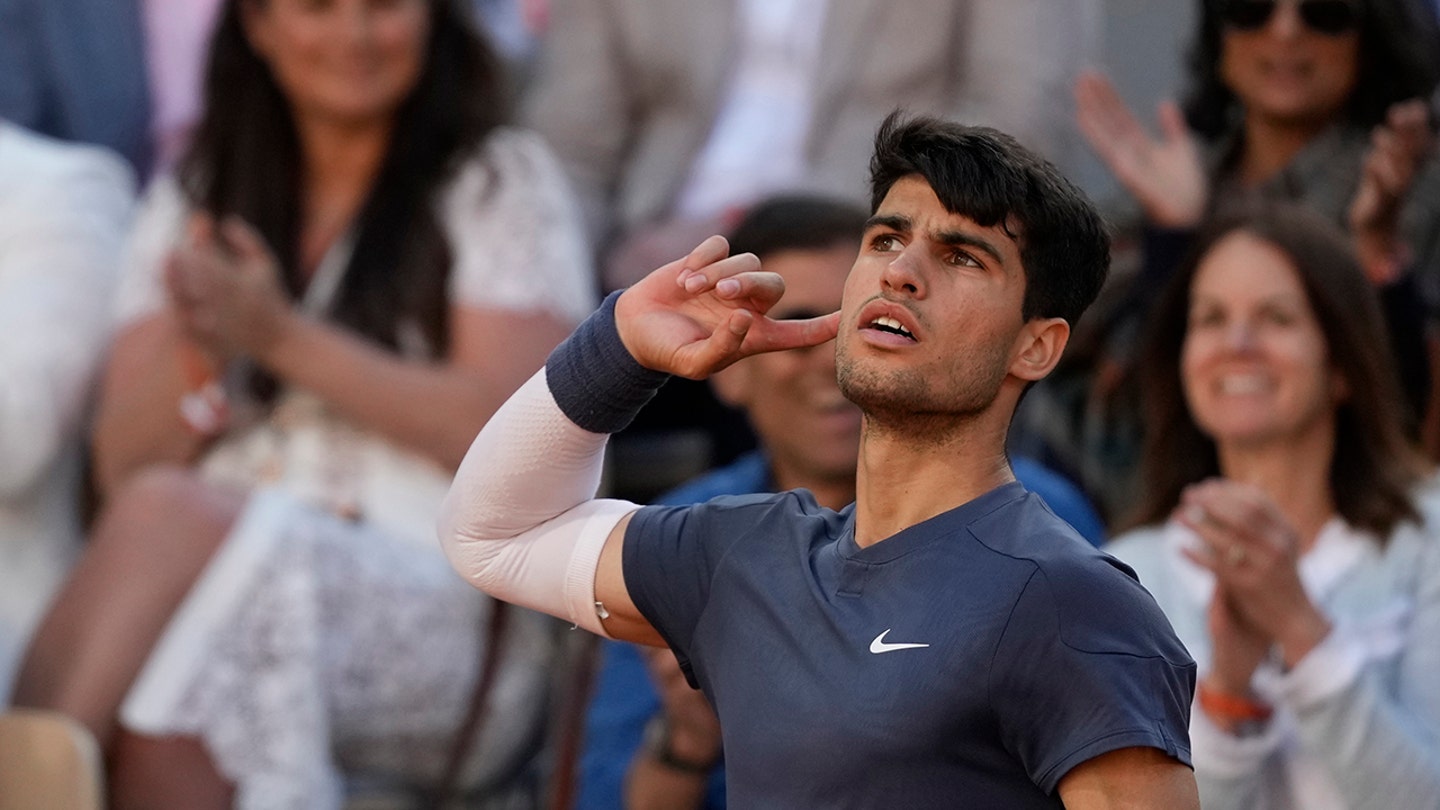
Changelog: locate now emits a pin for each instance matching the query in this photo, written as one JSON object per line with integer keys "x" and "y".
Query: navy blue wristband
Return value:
{"x": 595, "y": 380}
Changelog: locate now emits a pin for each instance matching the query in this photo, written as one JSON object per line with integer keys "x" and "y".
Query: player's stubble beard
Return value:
{"x": 912, "y": 404}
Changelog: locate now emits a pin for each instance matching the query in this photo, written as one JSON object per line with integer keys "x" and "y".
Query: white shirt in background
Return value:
{"x": 63, "y": 214}
{"x": 757, "y": 145}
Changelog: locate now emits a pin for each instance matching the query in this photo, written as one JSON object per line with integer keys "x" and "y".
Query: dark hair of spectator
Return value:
{"x": 1399, "y": 60}
{"x": 1374, "y": 467}
{"x": 246, "y": 160}
{"x": 988, "y": 177}
{"x": 797, "y": 222}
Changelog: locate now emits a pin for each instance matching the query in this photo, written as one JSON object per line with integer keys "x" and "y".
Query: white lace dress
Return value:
{"x": 315, "y": 644}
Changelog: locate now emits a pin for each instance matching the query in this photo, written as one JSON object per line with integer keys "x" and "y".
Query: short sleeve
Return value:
{"x": 670, "y": 555}
{"x": 156, "y": 229}
{"x": 516, "y": 233}
{"x": 1087, "y": 664}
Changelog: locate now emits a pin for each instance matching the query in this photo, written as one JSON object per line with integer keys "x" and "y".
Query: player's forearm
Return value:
{"x": 542, "y": 452}
{"x": 520, "y": 522}
{"x": 528, "y": 465}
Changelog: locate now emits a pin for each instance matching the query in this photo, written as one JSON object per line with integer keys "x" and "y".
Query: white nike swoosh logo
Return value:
{"x": 879, "y": 645}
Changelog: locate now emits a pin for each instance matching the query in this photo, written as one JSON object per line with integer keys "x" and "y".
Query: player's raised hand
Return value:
{"x": 703, "y": 312}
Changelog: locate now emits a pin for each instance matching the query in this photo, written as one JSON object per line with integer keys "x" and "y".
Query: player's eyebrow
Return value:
{"x": 903, "y": 224}
{"x": 895, "y": 222}
{"x": 961, "y": 238}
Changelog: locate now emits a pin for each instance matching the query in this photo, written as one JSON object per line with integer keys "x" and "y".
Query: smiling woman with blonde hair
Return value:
{"x": 1285, "y": 526}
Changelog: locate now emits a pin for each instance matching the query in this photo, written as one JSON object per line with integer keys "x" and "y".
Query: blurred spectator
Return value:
{"x": 1304, "y": 102}
{"x": 127, "y": 73}
{"x": 63, "y": 214}
{"x": 370, "y": 263}
{"x": 1283, "y": 527}
{"x": 652, "y": 739}
{"x": 75, "y": 70}
{"x": 1294, "y": 101}
{"x": 670, "y": 116}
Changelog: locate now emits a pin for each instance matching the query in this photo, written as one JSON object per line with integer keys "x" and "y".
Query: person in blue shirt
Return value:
{"x": 647, "y": 750}
{"x": 944, "y": 640}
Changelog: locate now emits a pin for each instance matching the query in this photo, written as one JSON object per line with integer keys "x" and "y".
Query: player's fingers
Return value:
{"x": 704, "y": 279}
{"x": 757, "y": 288}
{"x": 770, "y": 335}
{"x": 700, "y": 359}
{"x": 708, "y": 252}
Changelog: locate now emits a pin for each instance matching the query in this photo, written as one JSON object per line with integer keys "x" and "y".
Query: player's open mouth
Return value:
{"x": 890, "y": 325}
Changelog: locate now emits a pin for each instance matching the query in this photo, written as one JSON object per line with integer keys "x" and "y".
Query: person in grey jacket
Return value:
{"x": 1287, "y": 528}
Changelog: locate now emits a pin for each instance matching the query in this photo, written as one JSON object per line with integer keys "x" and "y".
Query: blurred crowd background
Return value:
{"x": 266, "y": 266}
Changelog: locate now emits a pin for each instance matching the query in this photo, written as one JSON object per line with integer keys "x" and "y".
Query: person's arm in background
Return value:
{"x": 243, "y": 313}
{"x": 236, "y": 308}
{"x": 1400, "y": 147}
{"x": 1165, "y": 175}
{"x": 677, "y": 757}
{"x": 57, "y": 268}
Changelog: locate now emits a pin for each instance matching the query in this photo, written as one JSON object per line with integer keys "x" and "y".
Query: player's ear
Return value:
{"x": 1038, "y": 347}
{"x": 732, "y": 385}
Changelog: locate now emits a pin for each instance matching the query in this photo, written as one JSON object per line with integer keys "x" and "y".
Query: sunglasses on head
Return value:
{"x": 1324, "y": 16}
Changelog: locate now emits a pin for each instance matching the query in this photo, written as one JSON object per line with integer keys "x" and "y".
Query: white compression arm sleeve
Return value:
{"x": 520, "y": 522}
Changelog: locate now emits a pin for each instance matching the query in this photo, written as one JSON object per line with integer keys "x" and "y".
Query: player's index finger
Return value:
{"x": 772, "y": 335}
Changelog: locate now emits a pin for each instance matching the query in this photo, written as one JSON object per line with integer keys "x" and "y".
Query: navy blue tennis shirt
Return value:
{"x": 971, "y": 660}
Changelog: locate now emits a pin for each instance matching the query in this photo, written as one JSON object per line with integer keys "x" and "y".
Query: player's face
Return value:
{"x": 351, "y": 62}
{"x": 932, "y": 309}
{"x": 1255, "y": 364}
